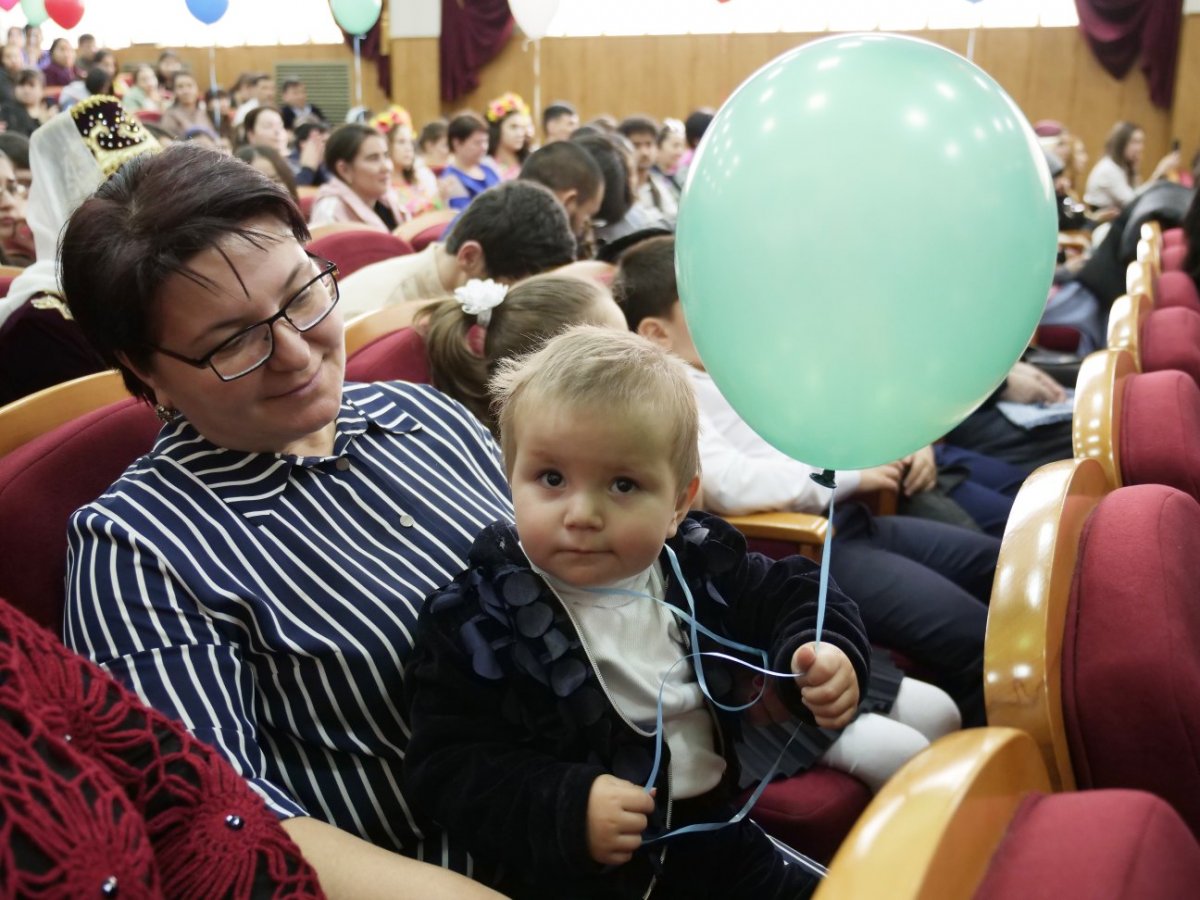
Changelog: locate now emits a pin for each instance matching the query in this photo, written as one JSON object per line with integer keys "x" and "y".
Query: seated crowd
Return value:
{"x": 398, "y": 624}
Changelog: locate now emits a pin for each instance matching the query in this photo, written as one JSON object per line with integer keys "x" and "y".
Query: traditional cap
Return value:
{"x": 111, "y": 134}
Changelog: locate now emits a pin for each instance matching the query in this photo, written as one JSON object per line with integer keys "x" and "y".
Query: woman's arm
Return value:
{"x": 352, "y": 868}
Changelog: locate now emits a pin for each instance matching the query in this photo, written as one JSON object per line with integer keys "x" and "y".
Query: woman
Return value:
{"x": 16, "y": 247}
{"x": 271, "y": 552}
{"x": 433, "y": 146}
{"x": 510, "y": 134}
{"x": 59, "y": 70}
{"x": 264, "y": 128}
{"x": 415, "y": 186}
{"x": 361, "y": 189}
{"x": 271, "y": 164}
{"x": 1114, "y": 180}
{"x": 468, "y": 174}
{"x": 144, "y": 96}
{"x": 671, "y": 147}
{"x": 27, "y": 111}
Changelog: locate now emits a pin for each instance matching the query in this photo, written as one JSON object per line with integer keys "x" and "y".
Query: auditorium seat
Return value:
{"x": 1170, "y": 339}
{"x": 1176, "y": 289}
{"x": 1173, "y": 258}
{"x": 352, "y": 250}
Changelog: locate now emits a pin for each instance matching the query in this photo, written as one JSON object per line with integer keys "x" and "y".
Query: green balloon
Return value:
{"x": 865, "y": 244}
{"x": 356, "y": 16}
{"x": 35, "y": 11}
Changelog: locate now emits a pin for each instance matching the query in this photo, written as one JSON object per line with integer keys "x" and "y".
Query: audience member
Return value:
{"x": 11, "y": 64}
{"x": 694, "y": 127}
{"x": 259, "y": 90}
{"x": 572, "y": 174}
{"x": 415, "y": 184}
{"x": 59, "y": 70}
{"x": 85, "y": 53}
{"x": 35, "y": 56}
{"x": 671, "y": 147}
{"x": 308, "y": 157}
{"x": 16, "y": 148}
{"x": 510, "y": 134}
{"x": 468, "y": 173}
{"x": 559, "y": 121}
{"x": 433, "y": 146}
{"x": 264, "y": 128}
{"x": 97, "y": 81}
{"x": 204, "y": 136}
{"x": 16, "y": 246}
{"x": 512, "y": 231}
{"x": 28, "y": 111}
{"x": 145, "y": 94}
{"x": 271, "y": 164}
{"x": 186, "y": 111}
{"x": 168, "y": 66}
{"x": 1114, "y": 180}
{"x": 295, "y": 107}
{"x": 360, "y": 189}
{"x": 656, "y": 194}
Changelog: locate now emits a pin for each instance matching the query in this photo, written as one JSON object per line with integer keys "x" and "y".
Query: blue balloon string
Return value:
{"x": 823, "y": 590}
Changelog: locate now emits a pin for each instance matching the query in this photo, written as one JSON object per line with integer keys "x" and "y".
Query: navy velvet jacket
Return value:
{"x": 511, "y": 725}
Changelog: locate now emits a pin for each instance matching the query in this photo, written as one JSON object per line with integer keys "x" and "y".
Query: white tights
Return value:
{"x": 874, "y": 746}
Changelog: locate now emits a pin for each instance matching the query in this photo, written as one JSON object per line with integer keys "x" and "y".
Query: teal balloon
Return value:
{"x": 356, "y": 16}
{"x": 35, "y": 11}
{"x": 865, "y": 243}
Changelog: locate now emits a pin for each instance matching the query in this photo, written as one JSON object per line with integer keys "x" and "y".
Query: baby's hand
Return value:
{"x": 616, "y": 817}
{"x": 828, "y": 685}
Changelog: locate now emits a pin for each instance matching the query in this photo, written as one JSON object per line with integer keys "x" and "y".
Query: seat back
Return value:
{"x": 44, "y": 481}
{"x": 24, "y": 419}
{"x": 1174, "y": 237}
{"x": 1176, "y": 289}
{"x": 423, "y": 230}
{"x": 1159, "y": 432}
{"x": 1096, "y": 417}
{"x": 1173, "y": 258}
{"x": 396, "y": 356}
{"x": 352, "y": 250}
{"x": 1022, "y": 647}
{"x": 1131, "y": 673}
{"x": 1125, "y": 321}
{"x": 1171, "y": 340}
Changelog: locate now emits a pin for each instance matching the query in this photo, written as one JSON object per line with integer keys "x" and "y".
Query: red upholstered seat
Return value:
{"x": 1174, "y": 237}
{"x": 1176, "y": 289}
{"x": 1171, "y": 340}
{"x": 352, "y": 250}
{"x": 1159, "y": 441}
{"x": 1173, "y": 258}
{"x": 423, "y": 239}
{"x": 307, "y": 201}
{"x": 1130, "y": 670}
{"x": 399, "y": 356}
{"x": 43, "y": 482}
{"x": 1102, "y": 845}
{"x": 1062, "y": 338}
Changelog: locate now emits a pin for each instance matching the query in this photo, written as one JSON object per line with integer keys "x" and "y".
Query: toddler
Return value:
{"x": 540, "y": 672}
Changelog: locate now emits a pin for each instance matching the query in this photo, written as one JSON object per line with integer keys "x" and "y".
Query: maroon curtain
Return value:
{"x": 473, "y": 32}
{"x": 1121, "y": 31}
{"x": 374, "y": 49}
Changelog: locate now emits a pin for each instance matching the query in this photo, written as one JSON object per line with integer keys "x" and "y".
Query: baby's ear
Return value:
{"x": 683, "y": 503}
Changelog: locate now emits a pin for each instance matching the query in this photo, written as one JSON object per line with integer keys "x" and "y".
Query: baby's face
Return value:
{"x": 595, "y": 493}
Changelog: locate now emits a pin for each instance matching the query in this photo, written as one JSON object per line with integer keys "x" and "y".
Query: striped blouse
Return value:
{"x": 268, "y": 602}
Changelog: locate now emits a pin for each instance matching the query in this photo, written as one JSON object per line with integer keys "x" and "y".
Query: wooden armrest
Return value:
{"x": 797, "y": 528}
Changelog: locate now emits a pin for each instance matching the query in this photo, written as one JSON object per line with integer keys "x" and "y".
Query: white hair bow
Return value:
{"x": 479, "y": 297}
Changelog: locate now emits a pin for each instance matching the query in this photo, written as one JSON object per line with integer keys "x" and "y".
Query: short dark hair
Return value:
{"x": 432, "y": 132}
{"x": 695, "y": 125}
{"x": 102, "y": 54}
{"x": 344, "y": 143}
{"x": 31, "y": 76}
{"x": 250, "y": 123}
{"x": 248, "y": 154}
{"x": 645, "y": 285}
{"x": 97, "y": 81}
{"x": 143, "y": 226}
{"x": 463, "y": 126}
{"x": 307, "y": 127}
{"x": 522, "y": 228}
{"x": 260, "y": 78}
{"x": 16, "y": 147}
{"x": 556, "y": 110}
{"x": 638, "y": 125}
{"x": 291, "y": 83}
{"x": 564, "y": 166}
{"x": 618, "y": 196}
{"x": 85, "y": 37}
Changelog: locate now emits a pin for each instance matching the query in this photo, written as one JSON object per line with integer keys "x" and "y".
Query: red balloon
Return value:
{"x": 66, "y": 13}
{"x": 8, "y": 4}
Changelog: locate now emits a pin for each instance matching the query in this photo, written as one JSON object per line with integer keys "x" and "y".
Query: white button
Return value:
{"x": 407, "y": 521}
{"x": 342, "y": 464}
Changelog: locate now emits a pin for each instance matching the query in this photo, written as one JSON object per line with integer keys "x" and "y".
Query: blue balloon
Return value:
{"x": 208, "y": 11}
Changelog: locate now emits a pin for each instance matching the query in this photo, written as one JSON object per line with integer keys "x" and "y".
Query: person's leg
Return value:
{"x": 873, "y": 747}
{"x": 909, "y": 607}
{"x": 966, "y": 558}
{"x": 926, "y": 708}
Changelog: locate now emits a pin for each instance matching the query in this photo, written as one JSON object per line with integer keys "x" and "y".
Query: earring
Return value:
{"x": 165, "y": 413}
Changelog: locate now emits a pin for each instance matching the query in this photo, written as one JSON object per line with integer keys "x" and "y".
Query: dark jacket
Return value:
{"x": 511, "y": 724}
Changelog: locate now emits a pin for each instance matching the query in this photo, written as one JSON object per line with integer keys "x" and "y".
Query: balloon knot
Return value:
{"x": 825, "y": 479}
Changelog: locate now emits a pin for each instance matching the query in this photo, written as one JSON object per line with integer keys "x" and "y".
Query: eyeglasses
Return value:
{"x": 14, "y": 188}
{"x": 251, "y": 347}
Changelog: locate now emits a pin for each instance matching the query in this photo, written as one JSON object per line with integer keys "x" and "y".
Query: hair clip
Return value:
{"x": 478, "y": 297}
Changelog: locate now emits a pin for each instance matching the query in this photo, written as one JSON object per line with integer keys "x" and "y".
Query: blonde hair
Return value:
{"x": 533, "y": 310}
{"x": 609, "y": 372}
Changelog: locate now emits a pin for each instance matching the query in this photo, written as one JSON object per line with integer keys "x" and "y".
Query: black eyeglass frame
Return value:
{"x": 329, "y": 268}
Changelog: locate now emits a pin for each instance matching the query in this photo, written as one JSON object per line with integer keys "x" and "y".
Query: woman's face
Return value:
{"x": 438, "y": 152}
{"x": 12, "y": 204}
{"x": 289, "y": 404}
{"x": 670, "y": 151}
{"x": 515, "y": 132}
{"x": 470, "y": 152}
{"x": 1133, "y": 150}
{"x": 370, "y": 173}
{"x": 63, "y": 54}
{"x": 269, "y": 131}
{"x": 187, "y": 92}
{"x": 147, "y": 80}
{"x": 404, "y": 150}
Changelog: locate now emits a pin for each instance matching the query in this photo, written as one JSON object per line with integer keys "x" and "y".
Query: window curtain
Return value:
{"x": 1122, "y": 31}
{"x": 375, "y": 49}
{"x": 473, "y": 32}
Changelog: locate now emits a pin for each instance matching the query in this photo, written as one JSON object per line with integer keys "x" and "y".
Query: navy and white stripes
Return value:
{"x": 269, "y": 603}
